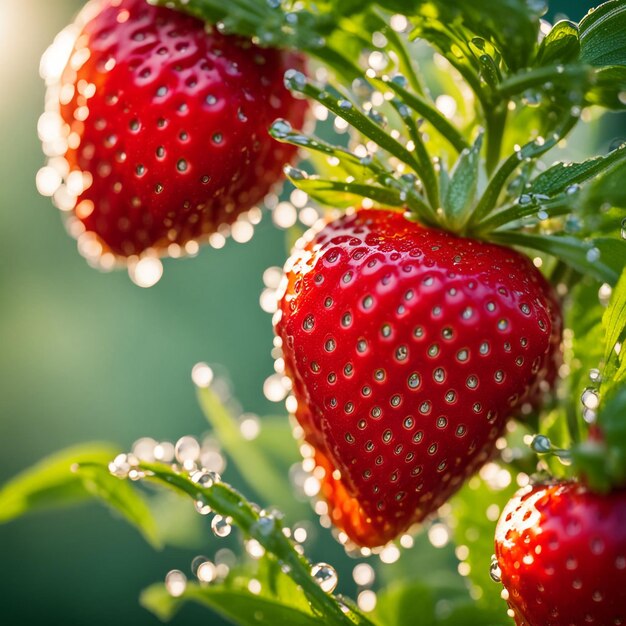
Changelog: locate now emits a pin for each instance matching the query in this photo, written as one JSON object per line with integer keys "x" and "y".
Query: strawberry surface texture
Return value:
{"x": 164, "y": 126}
{"x": 408, "y": 349}
{"x": 561, "y": 550}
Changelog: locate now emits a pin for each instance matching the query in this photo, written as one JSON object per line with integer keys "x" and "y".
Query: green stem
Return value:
{"x": 426, "y": 167}
{"x": 228, "y": 502}
{"x": 513, "y": 213}
{"x": 531, "y": 150}
{"x": 495, "y": 123}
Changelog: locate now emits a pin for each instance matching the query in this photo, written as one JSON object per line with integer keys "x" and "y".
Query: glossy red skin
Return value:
{"x": 395, "y": 473}
{"x": 156, "y": 51}
{"x": 562, "y": 555}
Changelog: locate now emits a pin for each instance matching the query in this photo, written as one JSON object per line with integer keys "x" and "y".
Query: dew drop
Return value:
{"x": 221, "y": 526}
{"x": 593, "y": 254}
{"x": 590, "y": 399}
{"x": 325, "y": 576}
{"x": 494, "y": 570}
{"x": 205, "y": 478}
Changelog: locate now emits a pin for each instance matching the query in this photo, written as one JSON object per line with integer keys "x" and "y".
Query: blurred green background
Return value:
{"x": 89, "y": 356}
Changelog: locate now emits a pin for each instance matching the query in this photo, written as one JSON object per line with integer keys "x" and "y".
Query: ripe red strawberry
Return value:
{"x": 561, "y": 550}
{"x": 167, "y": 123}
{"x": 408, "y": 348}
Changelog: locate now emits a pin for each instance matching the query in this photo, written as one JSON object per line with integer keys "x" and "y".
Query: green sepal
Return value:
{"x": 601, "y": 258}
{"x": 562, "y": 176}
{"x": 461, "y": 189}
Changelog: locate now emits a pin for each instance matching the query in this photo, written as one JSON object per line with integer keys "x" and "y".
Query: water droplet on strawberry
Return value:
{"x": 494, "y": 570}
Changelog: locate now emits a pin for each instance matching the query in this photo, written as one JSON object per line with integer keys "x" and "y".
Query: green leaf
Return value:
{"x": 242, "y": 607}
{"x": 608, "y": 188}
{"x": 461, "y": 190}
{"x": 561, "y": 176}
{"x": 51, "y": 482}
{"x": 560, "y": 45}
{"x": 600, "y": 258}
{"x": 121, "y": 497}
{"x": 603, "y": 35}
{"x": 614, "y": 326}
{"x": 75, "y": 475}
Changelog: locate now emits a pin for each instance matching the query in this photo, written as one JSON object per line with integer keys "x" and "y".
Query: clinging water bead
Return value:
{"x": 133, "y": 93}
